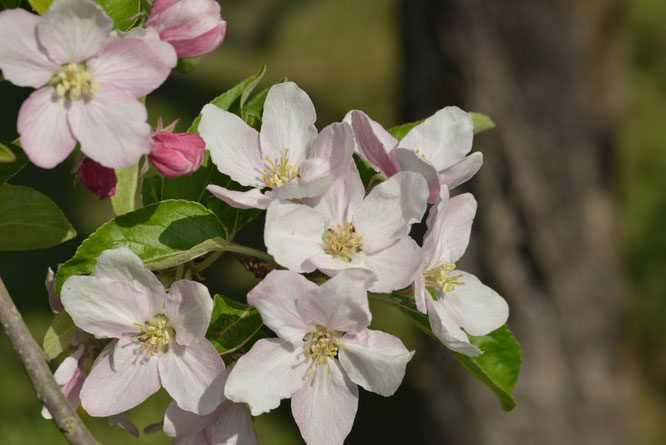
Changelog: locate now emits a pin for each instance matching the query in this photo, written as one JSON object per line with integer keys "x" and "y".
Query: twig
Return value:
{"x": 46, "y": 388}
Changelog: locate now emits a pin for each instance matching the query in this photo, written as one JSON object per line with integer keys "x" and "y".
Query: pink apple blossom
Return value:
{"x": 88, "y": 83}
{"x": 95, "y": 177}
{"x": 70, "y": 376}
{"x": 176, "y": 154}
{"x": 287, "y": 156}
{"x": 463, "y": 302}
{"x": 437, "y": 148}
{"x": 323, "y": 352}
{"x": 345, "y": 230}
{"x": 193, "y": 27}
{"x": 159, "y": 337}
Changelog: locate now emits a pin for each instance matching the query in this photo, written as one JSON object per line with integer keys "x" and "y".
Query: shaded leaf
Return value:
{"x": 151, "y": 190}
{"x": 233, "y": 326}
{"x": 9, "y": 169}
{"x": 59, "y": 335}
{"x": 127, "y": 180}
{"x": 9, "y": 4}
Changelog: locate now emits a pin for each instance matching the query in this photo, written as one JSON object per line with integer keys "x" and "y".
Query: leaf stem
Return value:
{"x": 208, "y": 261}
{"x": 231, "y": 247}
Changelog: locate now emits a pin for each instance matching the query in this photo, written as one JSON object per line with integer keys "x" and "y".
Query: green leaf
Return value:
{"x": 41, "y": 6}
{"x": 10, "y": 168}
{"x": 6, "y": 155}
{"x": 497, "y": 367}
{"x": 127, "y": 180}
{"x": 122, "y": 12}
{"x": 163, "y": 235}
{"x": 151, "y": 190}
{"x": 400, "y": 131}
{"x": 30, "y": 220}
{"x": 481, "y": 122}
{"x": 233, "y": 326}
{"x": 59, "y": 335}
{"x": 9, "y": 4}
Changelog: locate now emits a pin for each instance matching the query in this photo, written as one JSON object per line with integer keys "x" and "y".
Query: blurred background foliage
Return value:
{"x": 346, "y": 54}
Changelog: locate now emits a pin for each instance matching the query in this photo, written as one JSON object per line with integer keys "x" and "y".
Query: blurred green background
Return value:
{"x": 346, "y": 54}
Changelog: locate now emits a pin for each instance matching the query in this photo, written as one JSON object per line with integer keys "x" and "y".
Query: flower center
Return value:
{"x": 278, "y": 172}
{"x": 321, "y": 346}
{"x": 418, "y": 152}
{"x": 73, "y": 80}
{"x": 342, "y": 242}
{"x": 440, "y": 277}
{"x": 154, "y": 336}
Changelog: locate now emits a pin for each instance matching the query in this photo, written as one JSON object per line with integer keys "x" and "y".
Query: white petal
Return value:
{"x": 22, "y": 59}
{"x": 449, "y": 228}
{"x": 233, "y": 426}
{"x": 374, "y": 360}
{"x": 181, "y": 423}
{"x": 275, "y": 297}
{"x": 462, "y": 171}
{"x": 74, "y": 30}
{"x": 251, "y": 199}
{"x": 271, "y": 371}
{"x": 67, "y": 368}
{"x": 476, "y": 307}
{"x": 45, "y": 133}
{"x": 287, "y": 123}
{"x": 120, "y": 380}
{"x": 324, "y": 409}
{"x": 420, "y": 293}
{"x": 331, "y": 153}
{"x": 411, "y": 162}
{"x": 444, "y": 138}
{"x": 299, "y": 188}
{"x": 389, "y": 210}
{"x": 193, "y": 375}
{"x": 233, "y": 145}
{"x": 395, "y": 266}
{"x": 447, "y": 330}
{"x": 96, "y": 123}
{"x": 188, "y": 308}
{"x": 342, "y": 199}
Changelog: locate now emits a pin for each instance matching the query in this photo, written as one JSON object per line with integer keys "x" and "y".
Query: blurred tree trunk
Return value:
{"x": 547, "y": 72}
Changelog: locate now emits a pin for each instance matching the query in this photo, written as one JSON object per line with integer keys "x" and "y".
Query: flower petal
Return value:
{"x": 251, "y": 199}
{"x": 462, "y": 171}
{"x": 124, "y": 423}
{"x": 395, "y": 266}
{"x": 181, "y": 423}
{"x": 372, "y": 149}
{"x": 120, "y": 380}
{"x": 447, "y": 330}
{"x": 444, "y": 138}
{"x": 111, "y": 128}
{"x": 344, "y": 196}
{"x": 188, "y": 308}
{"x": 449, "y": 228}
{"x": 331, "y": 153}
{"x": 74, "y": 30}
{"x": 271, "y": 371}
{"x": 46, "y": 136}
{"x": 374, "y": 360}
{"x": 193, "y": 375}
{"x": 67, "y": 368}
{"x": 411, "y": 162}
{"x": 324, "y": 409}
{"x": 420, "y": 293}
{"x": 234, "y": 426}
{"x": 22, "y": 59}
{"x": 275, "y": 297}
{"x": 134, "y": 66}
{"x": 287, "y": 123}
{"x": 299, "y": 188}
{"x": 233, "y": 145}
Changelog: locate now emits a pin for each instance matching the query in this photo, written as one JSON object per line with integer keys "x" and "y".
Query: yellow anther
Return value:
{"x": 73, "y": 81}
{"x": 278, "y": 172}
{"x": 418, "y": 152}
{"x": 320, "y": 347}
{"x": 154, "y": 336}
{"x": 439, "y": 278}
{"x": 342, "y": 242}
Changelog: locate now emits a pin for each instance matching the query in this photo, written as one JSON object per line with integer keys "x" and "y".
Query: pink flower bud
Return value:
{"x": 95, "y": 177}
{"x": 177, "y": 154}
{"x": 192, "y": 27}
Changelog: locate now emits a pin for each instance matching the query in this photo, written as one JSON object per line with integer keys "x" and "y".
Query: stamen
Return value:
{"x": 440, "y": 278}
{"x": 73, "y": 81}
{"x": 278, "y": 172}
{"x": 343, "y": 242}
{"x": 321, "y": 346}
{"x": 154, "y": 336}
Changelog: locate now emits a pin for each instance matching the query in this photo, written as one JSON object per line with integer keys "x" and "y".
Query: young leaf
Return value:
{"x": 163, "y": 235}
{"x": 400, "y": 131}
{"x": 151, "y": 190}
{"x": 41, "y": 6}
{"x": 127, "y": 180}
{"x": 233, "y": 326}
{"x": 59, "y": 335}
{"x": 10, "y": 168}
{"x": 481, "y": 122}
{"x": 30, "y": 220}
{"x": 122, "y": 12}
{"x": 6, "y": 155}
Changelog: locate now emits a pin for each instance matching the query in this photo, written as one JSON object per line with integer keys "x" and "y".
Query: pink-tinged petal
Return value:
{"x": 234, "y": 426}
{"x": 396, "y": 266}
{"x": 96, "y": 122}
{"x": 342, "y": 199}
{"x": 324, "y": 409}
{"x": 331, "y": 153}
{"x": 411, "y": 162}
{"x": 390, "y": 209}
{"x": 54, "y": 299}
{"x": 271, "y": 371}
{"x": 462, "y": 171}
{"x": 299, "y": 188}
{"x": 201, "y": 45}
{"x": 371, "y": 147}
{"x": 340, "y": 304}
{"x": 444, "y": 138}
{"x": 374, "y": 360}
{"x": 188, "y": 308}
{"x": 74, "y": 30}
{"x": 193, "y": 375}
{"x": 275, "y": 298}
{"x": 181, "y": 423}
{"x": 447, "y": 330}
{"x": 287, "y": 123}
{"x": 134, "y": 66}
{"x": 252, "y": 199}
{"x": 475, "y": 307}
{"x": 233, "y": 145}
{"x": 68, "y": 367}
{"x": 293, "y": 235}
{"x": 46, "y": 136}
{"x": 120, "y": 380}
{"x": 420, "y": 293}
{"x": 23, "y": 60}
{"x": 449, "y": 228}
{"x": 124, "y": 266}
{"x": 124, "y": 423}
{"x": 70, "y": 376}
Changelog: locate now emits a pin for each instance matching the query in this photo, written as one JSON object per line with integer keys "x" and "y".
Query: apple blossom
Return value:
{"x": 463, "y": 302}
{"x": 70, "y": 376}
{"x": 287, "y": 156}
{"x": 159, "y": 337}
{"x": 345, "y": 230}
{"x": 323, "y": 351}
{"x": 88, "y": 83}
{"x": 95, "y": 177}
{"x": 176, "y": 154}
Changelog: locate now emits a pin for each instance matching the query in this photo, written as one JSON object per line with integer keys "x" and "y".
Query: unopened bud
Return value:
{"x": 95, "y": 177}
{"x": 177, "y": 154}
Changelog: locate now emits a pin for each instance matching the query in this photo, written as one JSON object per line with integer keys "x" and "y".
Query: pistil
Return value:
{"x": 440, "y": 278}
{"x": 73, "y": 81}
{"x": 154, "y": 335}
{"x": 321, "y": 346}
{"x": 279, "y": 172}
{"x": 343, "y": 242}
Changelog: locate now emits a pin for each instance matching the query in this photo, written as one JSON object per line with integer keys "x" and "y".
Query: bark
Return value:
{"x": 547, "y": 72}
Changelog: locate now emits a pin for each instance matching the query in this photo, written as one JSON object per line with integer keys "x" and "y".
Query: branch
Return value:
{"x": 46, "y": 388}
